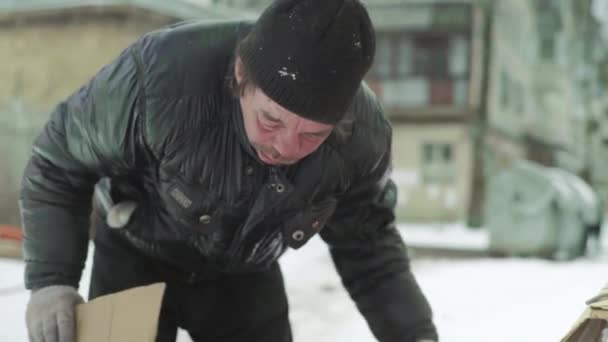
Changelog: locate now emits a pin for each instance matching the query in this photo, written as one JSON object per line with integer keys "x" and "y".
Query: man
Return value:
{"x": 203, "y": 181}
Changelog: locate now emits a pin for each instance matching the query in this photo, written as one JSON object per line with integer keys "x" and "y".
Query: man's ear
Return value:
{"x": 238, "y": 69}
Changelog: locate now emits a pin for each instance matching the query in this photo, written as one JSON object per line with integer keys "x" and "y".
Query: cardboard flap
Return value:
{"x": 597, "y": 310}
{"x": 127, "y": 316}
{"x": 599, "y": 304}
{"x": 600, "y": 301}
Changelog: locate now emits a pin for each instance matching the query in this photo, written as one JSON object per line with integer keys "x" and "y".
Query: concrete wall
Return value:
{"x": 421, "y": 199}
{"x": 43, "y": 61}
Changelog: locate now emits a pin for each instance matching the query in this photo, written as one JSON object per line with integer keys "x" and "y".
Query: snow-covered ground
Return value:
{"x": 474, "y": 299}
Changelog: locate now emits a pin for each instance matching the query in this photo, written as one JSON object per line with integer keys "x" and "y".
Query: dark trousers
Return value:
{"x": 227, "y": 308}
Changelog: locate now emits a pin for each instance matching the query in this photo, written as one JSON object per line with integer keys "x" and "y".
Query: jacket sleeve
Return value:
{"x": 371, "y": 258}
{"x": 93, "y": 133}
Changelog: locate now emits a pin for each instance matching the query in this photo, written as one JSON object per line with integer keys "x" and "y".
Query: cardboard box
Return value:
{"x": 593, "y": 323}
{"x": 127, "y": 316}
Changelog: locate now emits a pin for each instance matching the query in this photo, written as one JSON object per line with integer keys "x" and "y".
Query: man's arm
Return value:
{"x": 371, "y": 257}
{"x": 95, "y": 132}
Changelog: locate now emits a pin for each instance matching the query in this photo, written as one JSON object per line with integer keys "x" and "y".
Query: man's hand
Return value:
{"x": 50, "y": 315}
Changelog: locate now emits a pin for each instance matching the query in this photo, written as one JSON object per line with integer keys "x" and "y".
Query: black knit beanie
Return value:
{"x": 310, "y": 56}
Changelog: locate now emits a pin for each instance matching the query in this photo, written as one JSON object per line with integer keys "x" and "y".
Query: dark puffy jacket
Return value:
{"x": 162, "y": 126}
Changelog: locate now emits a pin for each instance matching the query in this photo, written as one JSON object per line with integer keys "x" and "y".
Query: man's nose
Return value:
{"x": 287, "y": 145}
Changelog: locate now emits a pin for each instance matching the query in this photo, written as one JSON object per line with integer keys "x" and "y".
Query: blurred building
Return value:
{"x": 428, "y": 73}
{"x": 49, "y": 48}
{"x": 544, "y": 100}
{"x": 471, "y": 86}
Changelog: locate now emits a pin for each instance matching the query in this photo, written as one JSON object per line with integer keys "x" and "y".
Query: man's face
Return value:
{"x": 279, "y": 137}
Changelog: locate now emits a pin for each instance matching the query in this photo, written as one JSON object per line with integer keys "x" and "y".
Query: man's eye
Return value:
{"x": 312, "y": 137}
{"x": 272, "y": 124}
{"x": 269, "y": 126}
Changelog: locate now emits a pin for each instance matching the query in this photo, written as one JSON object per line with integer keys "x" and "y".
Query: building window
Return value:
{"x": 461, "y": 92}
{"x": 511, "y": 94}
{"x": 422, "y": 69}
{"x": 549, "y": 23}
{"x": 547, "y": 48}
{"x": 518, "y": 98}
{"x": 404, "y": 64}
{"x": 434, "y": 56}
{"x": 437, "y": 163}
{"x": 459, "y": 56}
{"x": 431, "y": 56}
{"x": 428, "y": 153}
{"x": 441, "y": 91}
{"x": 505, "y": 87}
{"x": 383, "y": 59}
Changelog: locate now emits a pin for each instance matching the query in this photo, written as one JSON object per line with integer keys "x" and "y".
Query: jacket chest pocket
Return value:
{"x": 308, "y": 222}
{"x": 192, "y": 207}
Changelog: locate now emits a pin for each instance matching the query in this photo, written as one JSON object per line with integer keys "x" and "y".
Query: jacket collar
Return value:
{"x": 239, "y": 127}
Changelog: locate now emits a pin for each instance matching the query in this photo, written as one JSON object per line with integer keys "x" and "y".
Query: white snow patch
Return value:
{"x": 474, "y": 300}
{"x": 445, "y": 235}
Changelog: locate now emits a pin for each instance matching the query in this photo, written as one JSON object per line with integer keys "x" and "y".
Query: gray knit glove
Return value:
{"x": 50, "y": 314}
